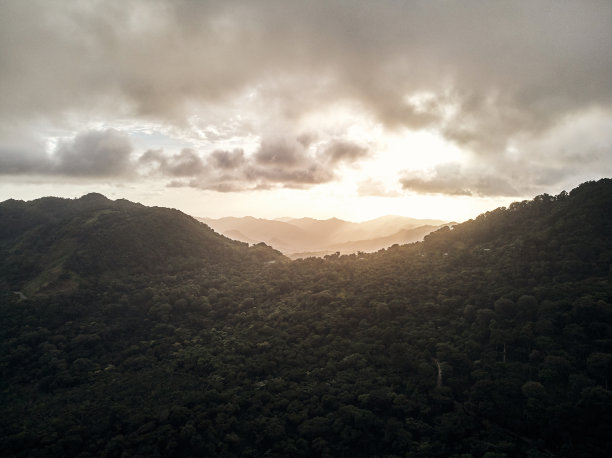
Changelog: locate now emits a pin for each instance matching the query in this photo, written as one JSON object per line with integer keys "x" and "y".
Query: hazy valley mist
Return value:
{"x": 310, "y": 237}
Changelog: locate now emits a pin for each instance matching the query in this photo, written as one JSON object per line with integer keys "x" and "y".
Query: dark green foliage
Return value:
{"x": 51, "y": 245}
{"x": 145, "y": 333}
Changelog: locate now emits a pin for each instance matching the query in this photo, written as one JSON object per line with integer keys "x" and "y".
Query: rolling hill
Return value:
{"x": 52, "y": 243}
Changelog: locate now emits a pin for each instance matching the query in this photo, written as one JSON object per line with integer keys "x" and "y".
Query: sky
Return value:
{"x": 322, "y": 108}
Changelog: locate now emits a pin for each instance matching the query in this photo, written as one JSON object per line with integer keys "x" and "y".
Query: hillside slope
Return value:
{"x": 491, "y": 339}
{"x": 52, "y": 243}
{"x": 550, "y": 238}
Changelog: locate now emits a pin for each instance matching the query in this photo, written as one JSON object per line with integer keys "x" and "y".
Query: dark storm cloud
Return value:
{"x": 493, "y": 73}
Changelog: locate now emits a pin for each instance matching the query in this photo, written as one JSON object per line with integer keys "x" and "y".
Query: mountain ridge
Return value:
{"x": 299, "y": 237}
{"x": 490, "y": 338}
{"x": 47, "y": 241}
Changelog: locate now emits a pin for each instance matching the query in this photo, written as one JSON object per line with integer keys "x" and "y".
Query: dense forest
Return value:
{"x": 136, "y": 331}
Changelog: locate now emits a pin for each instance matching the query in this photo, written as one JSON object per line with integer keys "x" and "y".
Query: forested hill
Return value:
{"x": 572, "y": 229}
{"x": 492, "y": 339}
{"x": 51, "y": 244}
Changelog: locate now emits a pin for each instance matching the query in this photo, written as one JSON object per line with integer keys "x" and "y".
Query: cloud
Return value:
{"x": 278, "y": 162}
{"x": 21, "y": 153}
{"x": 343, "y": 151}
{"x": 370, "y": 187}
{"x": 281, "y": 161}
{"x": 157, "y": 56}
{"x": 183, "y": 164}
{"x": 281, "y": 152}
{"x": 454, "y": 180}
{"x": 15, "y": 160}
{"x": 227, "y": 159}
{"x": 309, "y": 174}
{"x": 93, "y": 153}
{"x": 485, "y": 75}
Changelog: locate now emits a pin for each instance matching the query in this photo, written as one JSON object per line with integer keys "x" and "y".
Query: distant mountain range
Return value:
{"x": 305, "y": 237}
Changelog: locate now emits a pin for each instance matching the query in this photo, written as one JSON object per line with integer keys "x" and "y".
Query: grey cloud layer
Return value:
{"x": 279, "y": 162}
{"x": 283, "y": 162}
{"x": 93, "y": 153}
{"x": 497, "y": 73}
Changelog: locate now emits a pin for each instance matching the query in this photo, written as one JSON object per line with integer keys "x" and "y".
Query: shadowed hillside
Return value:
{"x": 490, "y": 339}
{"x": 53, "y": 243}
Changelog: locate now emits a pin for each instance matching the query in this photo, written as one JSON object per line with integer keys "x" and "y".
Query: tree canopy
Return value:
{"x": 140, "y": 331}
